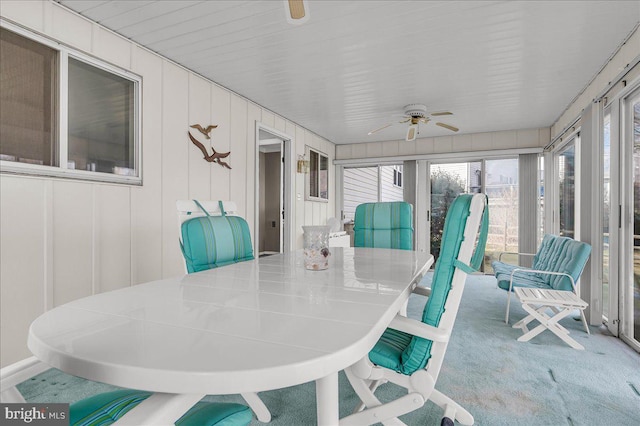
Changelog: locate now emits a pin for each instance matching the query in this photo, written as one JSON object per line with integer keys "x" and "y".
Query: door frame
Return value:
{"x": 625, "y": 286}
{"x": 286, "y": 229}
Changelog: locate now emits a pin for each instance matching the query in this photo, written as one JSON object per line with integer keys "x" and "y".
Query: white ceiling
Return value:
{"x": 497, "y": 65}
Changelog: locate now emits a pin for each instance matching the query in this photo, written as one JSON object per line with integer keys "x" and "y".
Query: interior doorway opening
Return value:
{"x": 273, "y": 189}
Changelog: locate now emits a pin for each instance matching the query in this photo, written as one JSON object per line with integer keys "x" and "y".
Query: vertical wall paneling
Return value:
{"x": 73, "y": 245}
{"x": 48, "y": 247}
{"x": 299, "y": 189}
{"x": 268, "y": 118}
{"x": 221, "y": 141}
{"x": 66, "y": 27}
{"x": 21, "y": 11}
{"x": 279, "y": 123}
{"x": 238, "y": 158}
{"x": 113, "y": 237}
{"x": 110, "y": 47}
{"x": 199, "y": 113}
{"x": 146, "y": 200}
{"x": 290, "y": 129}
{"x": 22, "y": 294}
{"x": 254, "y": 115}
{"x": 175, "y": 161}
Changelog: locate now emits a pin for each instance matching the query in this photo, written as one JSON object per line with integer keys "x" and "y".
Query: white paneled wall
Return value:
{"x": 64, "y": 239}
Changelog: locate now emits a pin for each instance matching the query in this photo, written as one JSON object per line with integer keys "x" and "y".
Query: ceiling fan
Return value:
{"x": 414, "y": 114}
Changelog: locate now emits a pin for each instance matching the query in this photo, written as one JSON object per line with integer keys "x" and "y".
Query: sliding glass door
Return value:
{"x": 606, "y": 215}
{"x": 498, "y": 178}
{"x": 447, "y": 182}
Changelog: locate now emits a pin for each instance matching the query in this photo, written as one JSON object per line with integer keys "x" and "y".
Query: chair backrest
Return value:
{"x": 561, "y": 254}
{"x": 384, "y": 225}
{"x": 464, "y": 217}
{"x": 209, "y": 237}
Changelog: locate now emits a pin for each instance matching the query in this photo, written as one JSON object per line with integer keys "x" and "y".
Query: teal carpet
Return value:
{"x": 499, "y": 380}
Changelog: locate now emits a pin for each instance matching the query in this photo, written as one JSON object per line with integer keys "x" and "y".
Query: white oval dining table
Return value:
{"x": 247, "y": 327}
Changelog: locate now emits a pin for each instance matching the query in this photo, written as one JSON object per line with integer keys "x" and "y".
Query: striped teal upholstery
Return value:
{"x": 405, "y": 353}
{"x": 107, "y": 408}
{"x": 555, "y": 254}
{"x": 384, "y": 225}
{"x": 213, "y": 241}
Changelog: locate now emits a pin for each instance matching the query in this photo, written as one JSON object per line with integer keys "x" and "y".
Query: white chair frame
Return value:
{"x": 365, "y": 377}
{"x": 188, "y": 209}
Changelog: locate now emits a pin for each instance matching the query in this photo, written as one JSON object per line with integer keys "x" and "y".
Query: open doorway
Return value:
{"x": 272, "y": 231}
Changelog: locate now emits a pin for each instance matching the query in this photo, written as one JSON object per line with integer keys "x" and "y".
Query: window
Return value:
{"x": 318, "y": 176}
{"x": 566, "y": 160}
{"x": 397, "y": 176}
{"x": 65, "y": 114}
{"x": 28, "y": 91}
{"x": 370, "y": 185}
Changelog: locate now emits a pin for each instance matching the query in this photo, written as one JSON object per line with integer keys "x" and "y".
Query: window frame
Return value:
{"x": 397, "y": 176}
{"x": 308, "y": 197}
{"x": 62, "y": 103}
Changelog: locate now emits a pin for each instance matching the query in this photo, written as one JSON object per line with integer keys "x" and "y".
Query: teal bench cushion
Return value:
{"x": 384, "y": 225}
{"x": 214, "y": 241}
{"x": 403, "y": 352}
{"x": 555, "y": 254}
{"x": 107, "y": 408}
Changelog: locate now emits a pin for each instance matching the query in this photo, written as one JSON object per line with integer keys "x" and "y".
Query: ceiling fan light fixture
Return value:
{"x": 412, "y": 133}
{"x": 297, "y": 11}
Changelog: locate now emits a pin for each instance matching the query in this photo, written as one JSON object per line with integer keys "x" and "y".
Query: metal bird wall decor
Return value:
{"x": 204, "y": 131}
{"x": 211, "y": 158}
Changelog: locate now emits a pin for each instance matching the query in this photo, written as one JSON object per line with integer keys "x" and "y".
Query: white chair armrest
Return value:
{"x": 422, "y": 291}
{"x": 537, "y": 271}
{"x": 420, "y": 329}
{"x": 16, "y": 373}
{"x": 513, "y": 252}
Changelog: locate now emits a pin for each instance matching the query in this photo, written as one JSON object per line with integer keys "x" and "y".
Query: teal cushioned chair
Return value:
{"x": 384, "y": 225}
{"x": 410, "y": 352}
{"x": 557, "y": 265}
{"x": 107, "y": 408}
{"x": 211, "y": 236}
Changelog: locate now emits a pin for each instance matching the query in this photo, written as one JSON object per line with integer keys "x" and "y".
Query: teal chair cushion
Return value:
{"x": 561, "y": 254}
{"x": 384, "y": 225}
{"x": 107, "y": 408}
{"x": 213, "y": 241}
{"x": 555, "y": 254}
{"x": 403, "y": 352}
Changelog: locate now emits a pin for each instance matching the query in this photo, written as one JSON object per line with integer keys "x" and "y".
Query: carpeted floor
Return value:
{"x": 499, "y": 380}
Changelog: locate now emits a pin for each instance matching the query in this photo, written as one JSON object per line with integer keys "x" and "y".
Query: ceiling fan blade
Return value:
{"x": 296, "y": 9}
{"x": 424, "y": 120}
{"x": 381, "y": 128}
{"x": 447, "y": 126}
{"x": 405, "y": 121}
{"x": 435, "y": 114}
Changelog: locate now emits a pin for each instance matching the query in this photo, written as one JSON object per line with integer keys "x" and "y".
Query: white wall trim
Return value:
{"x": 449, "y": 156}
